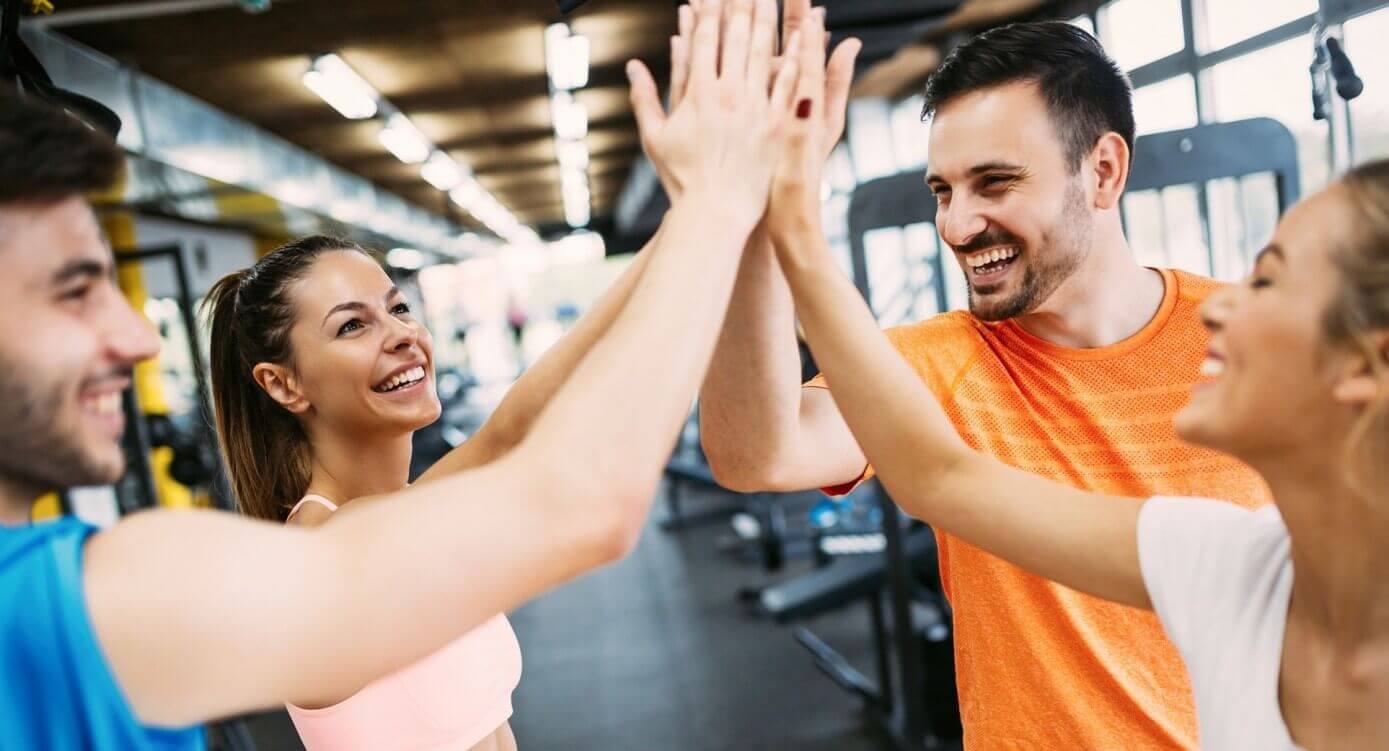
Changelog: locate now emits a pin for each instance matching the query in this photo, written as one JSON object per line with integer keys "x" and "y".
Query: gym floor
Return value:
{"x": 655, "y": 653}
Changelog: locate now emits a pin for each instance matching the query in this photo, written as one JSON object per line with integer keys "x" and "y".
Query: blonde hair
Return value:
{"x": 1361, "y": 306}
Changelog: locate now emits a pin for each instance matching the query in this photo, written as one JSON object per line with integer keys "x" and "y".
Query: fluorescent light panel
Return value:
{"x": 404, "y": 140}
{"x": 333, "y": 79}
{"x": 442, "y": 172}
{"x": 572, "y": 155}
{"x": 570, "y": 116}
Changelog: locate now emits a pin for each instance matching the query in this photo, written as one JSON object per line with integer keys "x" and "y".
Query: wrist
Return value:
{"x": 718, "y": 213}
{"x": 794, "y": 222}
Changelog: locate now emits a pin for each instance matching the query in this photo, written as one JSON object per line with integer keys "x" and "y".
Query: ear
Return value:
{"x": 282, "y": 386}
{"x": 1110, "y": 162}
{"x": 1361, "y": 382}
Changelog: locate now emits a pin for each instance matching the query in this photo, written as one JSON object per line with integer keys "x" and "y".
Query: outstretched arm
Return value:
{"x": 197, "y": 612}
{"x": 1086, "y": 541}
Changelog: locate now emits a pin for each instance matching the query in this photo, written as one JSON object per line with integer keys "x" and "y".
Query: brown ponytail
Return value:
{"x": 250, "y": 314}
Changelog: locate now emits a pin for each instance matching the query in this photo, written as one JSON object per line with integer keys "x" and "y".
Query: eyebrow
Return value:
{"x": 979, "y": 169}
{"x": 85, "y": 269}
{"x": 354, "y": 305}
{"x": 1273, "y": 250}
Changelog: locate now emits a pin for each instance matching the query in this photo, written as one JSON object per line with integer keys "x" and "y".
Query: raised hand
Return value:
{"x": 721, "y": 137}
{"x": 795, "y": 195}
{"x": 838, "y": 74}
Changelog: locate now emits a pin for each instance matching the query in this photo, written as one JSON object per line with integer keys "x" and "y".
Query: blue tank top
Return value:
{"x": 56, "y": 689}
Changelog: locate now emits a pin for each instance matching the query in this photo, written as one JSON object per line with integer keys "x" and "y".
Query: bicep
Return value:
{"x": 1086, "y": 541}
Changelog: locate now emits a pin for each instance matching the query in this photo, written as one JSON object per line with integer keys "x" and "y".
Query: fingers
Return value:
{"x": 763, "y": 44}
{"x": 737, "y": 40}
{"x": 646, "y": 101}
{"x": 839, "y": 77}
{"x": 787, "y": 78}
{"x": 795, "y": 12}
{"x": 679, "y": 69}
{"x": 704, "y": 51}
{"x": 811, "y": 86}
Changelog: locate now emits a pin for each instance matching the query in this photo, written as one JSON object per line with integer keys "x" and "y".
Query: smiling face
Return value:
{"x": 73, "y": 342}
{"x": 1274, "y": 384}
{"x": 361, "y": 360}
{"x": 1017, "y": 217}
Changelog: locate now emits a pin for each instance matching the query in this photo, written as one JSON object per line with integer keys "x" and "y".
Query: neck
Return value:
{"x": 1107, "y": 300}
{"x": 348, "y": 465}
{"x": 16, "y": 498}
{"x": 1340, "y": 558}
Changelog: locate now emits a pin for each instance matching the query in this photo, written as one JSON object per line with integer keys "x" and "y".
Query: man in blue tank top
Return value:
{"x": 68, "y": 355}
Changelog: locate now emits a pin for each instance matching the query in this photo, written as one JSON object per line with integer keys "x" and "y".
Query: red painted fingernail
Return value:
{"x": 803, "y": 109}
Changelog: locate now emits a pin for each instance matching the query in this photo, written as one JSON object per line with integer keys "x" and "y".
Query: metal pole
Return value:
{"x": 136, "y": 11}
{"x": 908, "y": 704}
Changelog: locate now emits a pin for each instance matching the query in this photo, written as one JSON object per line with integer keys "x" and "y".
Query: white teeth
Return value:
{"x": 1211, "y": 367}
{"x": 409, "y": 377}
{"x": 107, "y": 404}
{"x": 990, "y": 256}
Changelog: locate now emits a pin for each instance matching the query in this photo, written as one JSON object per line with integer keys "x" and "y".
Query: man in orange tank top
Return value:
{"x": 1071, "y": 363}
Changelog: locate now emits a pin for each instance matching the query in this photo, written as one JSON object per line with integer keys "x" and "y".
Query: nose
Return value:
{"x": 1217, "y": 307}
{"x": 401, "y": 335}
{"x": 128, "y": 336}
{"x": 959, "y": 221}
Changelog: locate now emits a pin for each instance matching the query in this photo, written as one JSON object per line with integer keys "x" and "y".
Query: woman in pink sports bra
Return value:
{"x": 364, "y": 383}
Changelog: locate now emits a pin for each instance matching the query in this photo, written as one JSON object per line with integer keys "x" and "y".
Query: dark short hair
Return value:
{"x": 48, "y": 155}
{"x": 1087, "y": 95}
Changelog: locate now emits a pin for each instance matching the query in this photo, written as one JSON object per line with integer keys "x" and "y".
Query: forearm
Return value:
{"x": 896, "y": 420}
{"x": 750, "y": 398}
{"x": 513, "y": 418}
{"x": 1081, "y": 539}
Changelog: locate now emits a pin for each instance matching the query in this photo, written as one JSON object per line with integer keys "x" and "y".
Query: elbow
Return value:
{"x": 620, "y": 516}
{"x": 729, "y": 463}
{"x": 739, "y": 477}
{"x": 739, "y": 470}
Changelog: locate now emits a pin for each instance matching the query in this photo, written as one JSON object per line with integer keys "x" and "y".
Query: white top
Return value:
{"x": 1220, "y": 578}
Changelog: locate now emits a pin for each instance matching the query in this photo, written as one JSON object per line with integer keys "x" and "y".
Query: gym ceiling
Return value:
{"x": 471, "y": 75}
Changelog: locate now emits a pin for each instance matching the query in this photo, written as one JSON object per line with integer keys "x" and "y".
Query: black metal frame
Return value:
{"x": 1219, "y": 150}
{"x": 174, "y": 254}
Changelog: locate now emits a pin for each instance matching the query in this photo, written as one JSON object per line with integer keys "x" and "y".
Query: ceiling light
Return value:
{"x": 573, "y": 181}
{"x": 566, "y": 57}
{"x": 333, "y": 79}
{"x": 404, "y": 140}
{"x": 573, "y": 155}
{"x": 442, "y": 172}
{"x": 570, "y": 116}
{"x": 406, "y": 259}
{"x": 467, "y": 195}
{"x": 577, "y": 215}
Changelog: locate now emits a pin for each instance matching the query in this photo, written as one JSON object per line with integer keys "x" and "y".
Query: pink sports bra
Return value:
{"x": 449, "y": 701}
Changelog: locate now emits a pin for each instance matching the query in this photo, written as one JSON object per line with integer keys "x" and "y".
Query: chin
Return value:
{"x": 102, "y": 466}
{"x": 1196, "y": 425}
